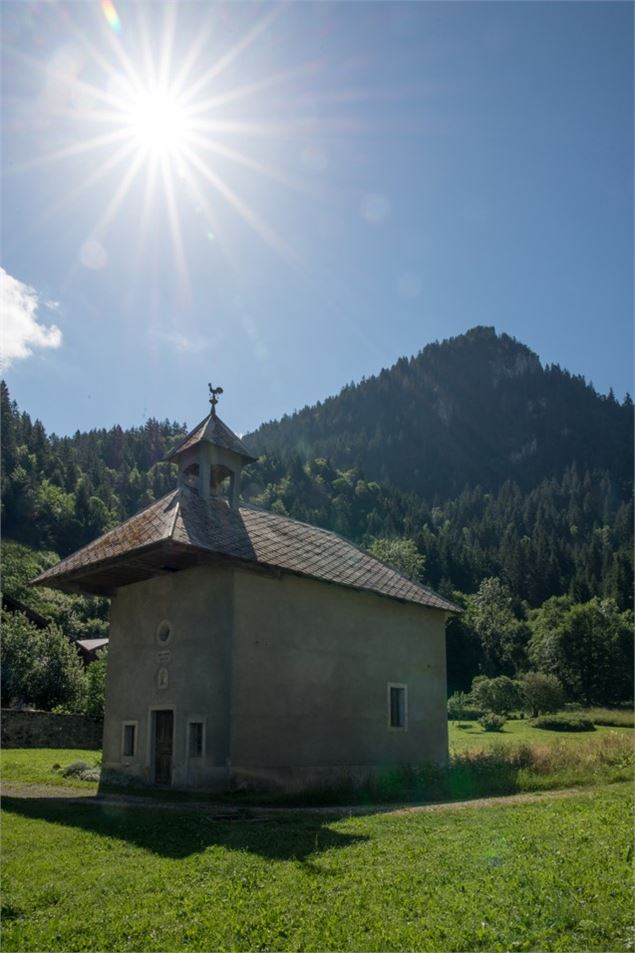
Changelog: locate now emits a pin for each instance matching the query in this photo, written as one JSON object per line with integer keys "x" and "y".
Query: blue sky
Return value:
{"x": 282, "y": 199}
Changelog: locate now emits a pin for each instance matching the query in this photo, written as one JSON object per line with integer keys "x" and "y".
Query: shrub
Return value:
{"x": 462, "y": 708}
{"x": 541, "y": 693}
{"x": 82, "y": 770}
{"x": 563, "y": 723}
{"x": 499, "y": 695}
{"x": 40, "y": 665}
{"x": 491, "y": 722}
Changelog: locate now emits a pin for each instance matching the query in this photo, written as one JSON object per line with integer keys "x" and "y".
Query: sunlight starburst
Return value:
{"x": 157, "y": 122}
{"x": 170, "y": 120}
{"x": 159, "y": 118}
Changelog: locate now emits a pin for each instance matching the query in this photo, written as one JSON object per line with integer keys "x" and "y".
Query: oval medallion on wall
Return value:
{"x": 164, "y": 632}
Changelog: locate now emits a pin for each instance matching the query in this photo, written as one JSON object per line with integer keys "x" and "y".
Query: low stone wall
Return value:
{"x": 43, "y": 729}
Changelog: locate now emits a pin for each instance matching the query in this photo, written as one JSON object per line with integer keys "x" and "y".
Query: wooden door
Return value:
{"x": 163, "y": 731}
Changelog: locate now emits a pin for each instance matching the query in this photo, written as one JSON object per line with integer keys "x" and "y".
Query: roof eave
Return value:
{"x": 84, "y": 580}
{"x": 173, "y": 454}
{"x": 71, "y": 580}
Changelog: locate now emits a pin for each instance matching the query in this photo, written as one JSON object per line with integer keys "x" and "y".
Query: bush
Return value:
{"x": 563, "y": 723}
{"x": 491, "y": 722}
{"x": 499, "y": 695}
{"x": 461, "y": 708}
{"x": 541, "y": 693}
{"x": 82, "y": 770}
{"x": 40, "y": 666}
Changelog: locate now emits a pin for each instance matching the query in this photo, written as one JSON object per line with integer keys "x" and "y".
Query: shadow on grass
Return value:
{"x": 180, "y": 834}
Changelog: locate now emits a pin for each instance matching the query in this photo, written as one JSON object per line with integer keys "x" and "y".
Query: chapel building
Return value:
{"x": 248, "y": 649}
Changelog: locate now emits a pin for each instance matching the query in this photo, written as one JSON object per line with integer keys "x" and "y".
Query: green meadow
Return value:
{"x": 469, "y": 735}
{"x": 518, "y": 758}
{"x": 44, "y": 766}
{"x": 550, "y": 875}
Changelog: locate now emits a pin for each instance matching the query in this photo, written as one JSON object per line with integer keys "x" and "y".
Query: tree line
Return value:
{"x": 586, "y": 646}
{"x": 568, "y": 537}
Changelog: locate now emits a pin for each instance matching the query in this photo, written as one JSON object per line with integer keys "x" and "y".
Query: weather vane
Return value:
{"x": 214, "y": 392}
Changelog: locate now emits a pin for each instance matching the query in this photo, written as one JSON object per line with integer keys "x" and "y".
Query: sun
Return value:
{"x": 157, "y": 123}
{"x": 168, "y": 125}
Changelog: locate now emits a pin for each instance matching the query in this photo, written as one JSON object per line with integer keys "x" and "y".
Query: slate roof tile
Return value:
{"x": 214, "y": 431}
{"x": 246, "y": 534}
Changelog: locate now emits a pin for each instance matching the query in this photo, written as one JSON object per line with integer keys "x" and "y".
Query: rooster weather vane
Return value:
{"x": 214, "y": 392}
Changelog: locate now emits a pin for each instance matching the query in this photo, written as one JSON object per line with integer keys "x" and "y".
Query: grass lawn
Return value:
{"x": 471, "y": 735}
{"x": 520, "y": 758}
{"x": 623, "y": 717}
{"x": 35, "y": 766}
{"x": 554, "y": 875}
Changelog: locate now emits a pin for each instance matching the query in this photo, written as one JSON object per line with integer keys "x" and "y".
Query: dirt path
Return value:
{"x": 228, "y": 812}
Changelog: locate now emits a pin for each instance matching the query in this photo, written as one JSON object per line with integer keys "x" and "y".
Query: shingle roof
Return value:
{"x": 213, "y": 430}
{"x": 185, "y": 521}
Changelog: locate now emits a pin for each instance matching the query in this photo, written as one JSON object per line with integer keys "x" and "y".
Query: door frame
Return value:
{"x": 151, "y": 710}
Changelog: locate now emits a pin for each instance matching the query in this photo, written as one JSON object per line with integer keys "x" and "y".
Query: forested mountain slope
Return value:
{"x": 449, "y": 430}
{"x": 479, "y": 409}
{"x": 568, "y": 536}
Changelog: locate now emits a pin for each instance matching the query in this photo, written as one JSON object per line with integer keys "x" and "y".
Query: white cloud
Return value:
{"x": 21, "y": 330}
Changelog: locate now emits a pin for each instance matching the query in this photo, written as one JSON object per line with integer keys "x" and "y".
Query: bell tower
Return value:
{"x": 211, "y": 457}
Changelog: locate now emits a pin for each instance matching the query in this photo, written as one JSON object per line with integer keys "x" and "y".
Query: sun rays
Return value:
{"x": 164, "y": 120}
{"x": 162, "y": 123}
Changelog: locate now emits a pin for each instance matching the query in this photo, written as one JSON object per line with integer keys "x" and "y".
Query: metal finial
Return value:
{"x": 214, "y": 392}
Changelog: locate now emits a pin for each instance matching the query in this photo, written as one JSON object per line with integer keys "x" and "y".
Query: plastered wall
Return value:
{"x": 190, "y": 673}
{"x": 290, "y": 676}
{"x": 311, "y": 666}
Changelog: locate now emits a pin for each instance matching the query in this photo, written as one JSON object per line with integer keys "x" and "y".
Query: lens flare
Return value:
{"x": 111, "y": 15}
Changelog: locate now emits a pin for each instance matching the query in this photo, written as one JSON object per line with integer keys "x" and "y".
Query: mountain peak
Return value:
{"x": 505, "y": 355}
{"x": 478, "y": 408}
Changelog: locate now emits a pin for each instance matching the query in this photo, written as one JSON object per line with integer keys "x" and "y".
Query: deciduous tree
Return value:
{"x": 589, "y": 647}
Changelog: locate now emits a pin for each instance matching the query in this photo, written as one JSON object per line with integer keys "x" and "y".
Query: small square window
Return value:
{"x": 129, "y": 739}
{"x": 195, "y": 739}
{"x": 397, "y": 702}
